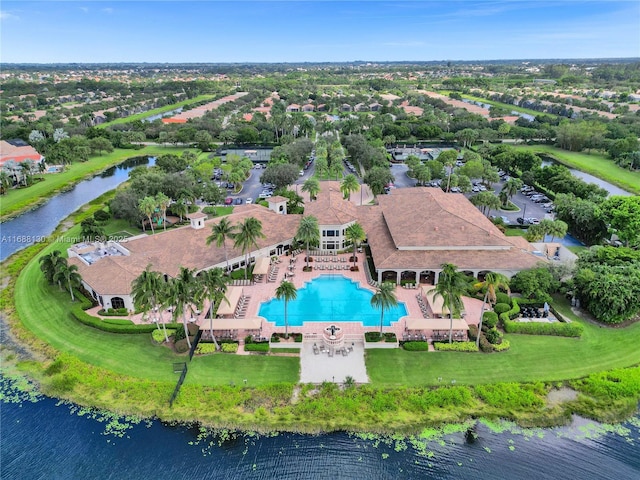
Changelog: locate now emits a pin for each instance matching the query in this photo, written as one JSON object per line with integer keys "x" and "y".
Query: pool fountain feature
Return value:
{"x": 333, "y": 337}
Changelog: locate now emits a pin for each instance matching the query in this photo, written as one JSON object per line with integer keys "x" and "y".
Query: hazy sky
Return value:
{"x": 292, "y": 31}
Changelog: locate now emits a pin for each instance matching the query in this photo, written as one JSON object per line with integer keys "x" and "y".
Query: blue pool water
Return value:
{"x": 330, "y": 298}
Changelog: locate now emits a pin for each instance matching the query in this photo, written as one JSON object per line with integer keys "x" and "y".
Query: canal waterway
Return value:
{"x": 44, "y": 439}
{"x": 612, "y": 189}
{"x": 35, "y": 225}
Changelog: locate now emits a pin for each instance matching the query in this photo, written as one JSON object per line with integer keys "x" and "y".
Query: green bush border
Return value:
{"x": 558, "y": 329}
{"x": 257, "y": 347}
{"x": 455, "y": 346}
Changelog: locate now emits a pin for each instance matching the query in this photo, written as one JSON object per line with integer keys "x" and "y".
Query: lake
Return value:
{"x": 35, "y": 225}
{"x": 45, "y": 439}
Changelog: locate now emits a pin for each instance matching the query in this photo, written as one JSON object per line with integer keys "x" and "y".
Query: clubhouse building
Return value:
{"x": 410, "y": 233}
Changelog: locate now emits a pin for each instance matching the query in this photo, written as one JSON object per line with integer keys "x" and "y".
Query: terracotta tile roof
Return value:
{"x": 277, "y": 199}
{"x": 196, "y": 215}
{"x": 330, "y": 208}
{"x": 17, "y": 154}
{"x": 504, "y": 253}
{"x": 167, "y": 251}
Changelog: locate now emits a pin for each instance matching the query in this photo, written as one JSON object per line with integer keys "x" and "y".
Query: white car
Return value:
{"x": 249, "y": 201}
{"x": 302, "y": 173}
{"x": 265, "y": 195}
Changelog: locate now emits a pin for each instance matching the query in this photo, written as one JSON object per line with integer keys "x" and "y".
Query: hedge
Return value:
{"x": 257, "y": 347}
{"x": 455, "y": 347}
{"x": 113, "y": 312}
{"x": 416, "y": 346}
{"x": 118, "y": 321}
{"x": 372, "y": 336}
{"x": 229, "y": 347}
{"x": 489, "y": 319}
{"x": 502, "y": 297}
{"x": 558, "y": 329}
{"x": 500, "y": 308}
{"x": 501, "y": 347}
{"x": 204, "y": 348}
{"x": 158, "y": 335}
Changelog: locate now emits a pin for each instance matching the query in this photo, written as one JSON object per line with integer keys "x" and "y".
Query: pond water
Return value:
{"x": 35, "y": 225}
{"x": 158, "y": 116}
{"x": 612, "y": 189}
{"x": 45, "y": 439}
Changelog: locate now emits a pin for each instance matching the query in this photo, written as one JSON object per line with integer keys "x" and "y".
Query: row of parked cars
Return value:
{"x": 537, "y": 197}
{"x": 349, "y": 165}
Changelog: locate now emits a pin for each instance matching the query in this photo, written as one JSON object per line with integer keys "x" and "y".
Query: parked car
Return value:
{"x": 228, "y": 201}
{"x": 238, "y": 201}
{"x": 249, "y": 201}
{"x": 265, "y": 195}
{"x": 302, "y": 173}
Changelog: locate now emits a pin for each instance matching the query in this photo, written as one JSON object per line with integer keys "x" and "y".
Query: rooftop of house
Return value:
{"x": 330, "y": 207}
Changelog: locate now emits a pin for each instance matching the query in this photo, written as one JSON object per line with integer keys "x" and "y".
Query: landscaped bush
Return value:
{"x": 181, "y": 346}
{"x": 455, "y": 346}
{"x": 179, "y": 335}
{"x": 502, "y": 297}
{"x": 275, "y": 338}
{"x": 390, "y": 337}
{"x": 489, "y": 319}
{"x": 209, "y": 210}
{"x": 205, "y": 348}
{"x": 248, "y": 339}
{"x": 558, "y": 329}
{"x": 485, "y": 346}
{"x": 416, "y": 346}
{"x": 101, "y": 216}
{"x": 158, "y": 335}
{"x": 493, "y": 336}
{"x": 297, "y": 337}
{"x": 372, "y": 336}
{"x": 257, "y": 347}
{"x": 229, "y": 347}
{"x": 473, "y": 332}
{"x": 500, "y": 308}
{"x": 501, "y": 347}
{"x": 78, "y": 314}
{"x": 118, "y": 321}
{"x": 113, "y": 312}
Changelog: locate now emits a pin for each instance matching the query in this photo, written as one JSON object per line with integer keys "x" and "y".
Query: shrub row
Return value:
{"x": 113, "y": 312}
{"x": 501, "y": 347}
{"x": 90, "y": 321}
{"x": 372, "y": 337}
{"x": 229, "y": 347}
{"x": 158, "y": 334}
{"x": 416, "y": 346}
{"x": 455, "y": 346}
{"x": 489, "y": 320}
{"x": 558, "y": 329}
{"x": 256, "y": 347}
{"x": 118, "y": 321}
{"x": 205, "y": 348}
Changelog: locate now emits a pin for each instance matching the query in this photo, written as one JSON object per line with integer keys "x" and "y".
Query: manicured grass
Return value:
{"x": 515, "y": 232}
{"x": 155, "y": 111}
{"x": 508, "y": 106}
{"x": 531, "y": 358}
{"x": 17, "y": 200}
{"x": 45, "y": 311}
{"x": 596, "y": 164}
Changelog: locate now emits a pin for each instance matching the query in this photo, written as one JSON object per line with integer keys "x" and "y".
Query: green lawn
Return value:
{"x": 45, "y": 311}
{"x": 531, "y": 358}
{"x": 500, "y": 104}
{"x": 596, "y": 164}
{"x": 19, "y": 199}
{"x": 155, "y": 111}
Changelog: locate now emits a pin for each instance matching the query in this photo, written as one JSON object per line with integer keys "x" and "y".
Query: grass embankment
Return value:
{"x": 156, "y": 111}
{"x": 507, "y": 106}
{"x": 17, "y": 201}
{"x": 530, "y": 358}
{"x": 595, "y": 164}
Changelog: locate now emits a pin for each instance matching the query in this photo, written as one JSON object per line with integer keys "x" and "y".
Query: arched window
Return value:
{"x": 117, "y": 302}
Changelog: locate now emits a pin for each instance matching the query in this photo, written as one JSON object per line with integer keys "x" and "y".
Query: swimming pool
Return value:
{"x": 330, "y": 298}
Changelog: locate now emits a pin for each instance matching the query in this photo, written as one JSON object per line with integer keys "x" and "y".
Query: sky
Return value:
{"x": 243, "y": 31}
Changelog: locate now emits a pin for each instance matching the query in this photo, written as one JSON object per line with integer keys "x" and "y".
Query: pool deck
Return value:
{"x": 264, "y": 291}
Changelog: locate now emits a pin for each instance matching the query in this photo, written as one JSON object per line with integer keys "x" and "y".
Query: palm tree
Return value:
{"x": 309, "y": 233}
{"x": 349, "y": 184}
{"x": 384, "y": 299}
{"x": 510, "y": 188}
{"x": 220, "y": 232}
{"x": 183, "y": 291}
{"x": 163, "y": 202}
{"x": 5, "y": 182}
{"x": 492, "y": 282}
{"x": 247, "y": 236}
{"x": 286, "y": 291}
{"x": 450, "y": 287}
{"x": 448, "y": 159}
{"x": 355, "y": 234}
{"x": 48, "y": 264}
{"x": 147, "y": 290}
{"x": 148, "y": 206}
{"x": 215, "y": 286}
{"x": 69, "y": 274}
{"x": 312, "y": 187}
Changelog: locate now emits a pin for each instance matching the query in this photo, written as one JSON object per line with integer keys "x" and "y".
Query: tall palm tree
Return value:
{"x": 68, "y": 274}
{"x": 248, "y": 234}
{"x": 312, "y": 187}
{"x": 384, "y": 299}
{"x": 163, "y": 202}
{"x": 148, "y": 206}
{"x": 184, "y": 291}
{"x": 147, "y": 291}
{"x": 220, "y": 232}
{"x": 355, "y": 234}
{"x": 511, "y": 187}
{"x": 448, "y": 159}
{"x": 309, "y": 233}
{"x": 286, "y": 291}
{"x": 492, "y": 282}
{"x": 450, "y": 287}
{"x": 48, "y": 264}
{"x": 349, "y": 184}
{"x": 215, "y": 287}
